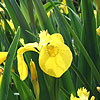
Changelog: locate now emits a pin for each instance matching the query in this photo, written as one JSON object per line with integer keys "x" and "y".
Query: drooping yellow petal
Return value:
{"x": 22, "y": 66}
{"x": 55, "y": 58}
{"x": 3, "y": 56}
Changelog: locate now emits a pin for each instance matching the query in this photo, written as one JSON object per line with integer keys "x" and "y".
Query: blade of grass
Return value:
{"x": 31, "y": 15}
{"x": 4, "y": 40}
{"x": 7, "y": 69}
{"x": 8, "y": 26}
{"x": 42, "y": 17}
{"x": 24, "y": 10}
{"x": 24, "y": 91}
{"x": 89, "y": 29}
{"x": 75, "y": 20}
{"x": 14, "y": 12}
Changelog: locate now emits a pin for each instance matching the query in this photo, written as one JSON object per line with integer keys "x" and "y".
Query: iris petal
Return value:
{"x": 22, "y": 66}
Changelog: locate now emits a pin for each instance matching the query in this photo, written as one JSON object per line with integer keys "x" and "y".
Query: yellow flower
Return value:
{"x": 98, "y": 30}
{"x": 3, "y": 56}
{"x": 63, "y": 7}
{"x": 83, "y": 95}
{"x": 52, "y": 51}
{"x": 1, "y": 71}
{"x": 83, "y": 91}
{"x": 55, "y": 57}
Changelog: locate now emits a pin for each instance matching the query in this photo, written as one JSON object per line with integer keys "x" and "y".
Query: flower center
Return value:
{"x": 52, "y": 50}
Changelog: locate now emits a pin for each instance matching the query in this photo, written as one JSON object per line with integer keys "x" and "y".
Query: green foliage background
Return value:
{"x": 78, "y": 28}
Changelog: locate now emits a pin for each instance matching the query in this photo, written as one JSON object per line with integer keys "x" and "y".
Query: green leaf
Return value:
{"x": 75, "y": 20}
{"x": 4, "y": 40}
{"x": 83, "y": 50}
{"x": 42, "y": 16}
{"x": 67, "y": 79}
{"x": 48, "y": 6}
{"x": 53, "y": 86}
{"x": 7, "y": 69}
{"x": 89, "y": 29}
{"x": 24, "y": 91}
{"x": 11, "y": 95}
{"x": 24, "y": 11}
{"x": 18, "y": 19}
{"x": 31, "y": 15}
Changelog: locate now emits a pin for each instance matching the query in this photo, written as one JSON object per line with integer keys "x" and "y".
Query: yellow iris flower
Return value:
{"x": 83, "y": 94}
{"x": 55, "y": 57}
{"x": 52, "y": 51}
